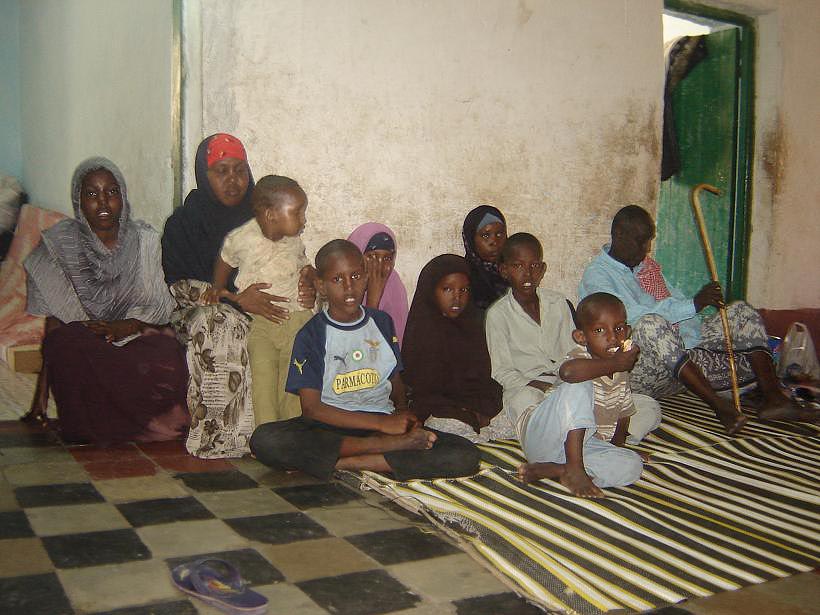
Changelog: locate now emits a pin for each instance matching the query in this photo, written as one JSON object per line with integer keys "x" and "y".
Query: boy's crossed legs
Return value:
{"x": 319, "y": 449}
{"x": 368, "y": 452}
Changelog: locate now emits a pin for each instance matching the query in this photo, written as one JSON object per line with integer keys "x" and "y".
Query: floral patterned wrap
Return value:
{"x": 219, "y": 388}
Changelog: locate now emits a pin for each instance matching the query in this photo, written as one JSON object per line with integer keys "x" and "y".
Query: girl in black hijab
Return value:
{"x": 484, "y": 234}
{"x": 446, "y": 363}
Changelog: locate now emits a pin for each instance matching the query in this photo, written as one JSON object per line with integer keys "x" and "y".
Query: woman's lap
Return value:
{"x": 219, "y": 389}
{"x": 107, "y": 394}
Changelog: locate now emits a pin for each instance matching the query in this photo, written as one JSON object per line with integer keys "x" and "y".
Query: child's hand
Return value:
{"x": 398, "y": 423}
{"x": 540, "y": 385}
{"x": 624, "y": 360}
{"x": 210, "y": 296}
{"x": 377, "y": 273}
{"x": 412, "y": 417}
{"x": 307, "y": 287}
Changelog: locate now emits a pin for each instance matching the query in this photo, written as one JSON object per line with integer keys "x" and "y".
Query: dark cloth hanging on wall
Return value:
{"x": 684, "y": 54}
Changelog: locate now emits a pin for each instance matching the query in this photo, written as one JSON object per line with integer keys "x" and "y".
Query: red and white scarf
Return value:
{"x": 651, "y": 279}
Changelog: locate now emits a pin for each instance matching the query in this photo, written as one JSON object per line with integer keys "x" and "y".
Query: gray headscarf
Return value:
{"x": 73, "y": 276}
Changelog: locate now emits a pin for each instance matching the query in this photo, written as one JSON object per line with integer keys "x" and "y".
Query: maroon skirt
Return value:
{"x": 107, "y": 394}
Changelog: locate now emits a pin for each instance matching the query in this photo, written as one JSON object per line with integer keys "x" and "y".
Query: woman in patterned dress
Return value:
{"x": 215, "y": 336}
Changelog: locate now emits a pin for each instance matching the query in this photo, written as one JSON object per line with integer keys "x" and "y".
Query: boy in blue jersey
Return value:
{"x": 345, "y": 368}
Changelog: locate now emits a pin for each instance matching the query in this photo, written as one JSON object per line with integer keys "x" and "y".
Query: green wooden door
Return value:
{"x": 706, "y": 124}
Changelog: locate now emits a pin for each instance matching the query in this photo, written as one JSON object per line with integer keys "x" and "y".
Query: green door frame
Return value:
{"x": 740, "y": 219}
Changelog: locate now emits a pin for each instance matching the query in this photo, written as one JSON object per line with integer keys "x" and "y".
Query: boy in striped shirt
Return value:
{"x": 577, "y": 433}
{"x": 605, "y": 355}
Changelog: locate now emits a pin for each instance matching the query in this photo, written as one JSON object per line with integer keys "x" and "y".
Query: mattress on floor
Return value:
{"x": 710, "y": 514}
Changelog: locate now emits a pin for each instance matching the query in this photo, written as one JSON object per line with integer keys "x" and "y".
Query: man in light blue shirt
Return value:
{"x": 678, "y": 349}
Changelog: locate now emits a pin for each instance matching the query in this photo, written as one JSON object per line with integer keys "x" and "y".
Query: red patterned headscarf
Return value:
{"x": 223, "y": 145}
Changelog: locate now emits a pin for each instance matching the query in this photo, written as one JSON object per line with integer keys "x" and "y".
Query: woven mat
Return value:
{"x": 710, "y": 514}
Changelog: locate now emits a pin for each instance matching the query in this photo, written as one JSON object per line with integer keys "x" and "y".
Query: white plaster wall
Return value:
{"x": 794, "y": 279}
{"x": 96, "y": 80}
{"x": 785, "y": 248}
{"x": 411, "y": 112}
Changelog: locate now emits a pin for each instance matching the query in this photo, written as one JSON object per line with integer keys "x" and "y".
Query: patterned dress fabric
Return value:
{"x": 215, "y": 336}
{"x": 219, "y": 387}
{"x": 663, "y": 353}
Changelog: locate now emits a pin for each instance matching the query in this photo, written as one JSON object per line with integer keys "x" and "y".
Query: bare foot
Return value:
{"x": 646, "y": 457}
{"x": 574, "y": 479}
{"x": 729, "y": 417}
{"x": 779, "y": 408}
{"x": 733, "y": 423}
{"x": 417, "y": 439}
{"x": 579, "y": 483}
{"x": 531, "y": 472}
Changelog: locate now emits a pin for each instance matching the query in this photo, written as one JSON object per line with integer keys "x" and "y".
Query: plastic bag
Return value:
{"x": 798, "y": 358}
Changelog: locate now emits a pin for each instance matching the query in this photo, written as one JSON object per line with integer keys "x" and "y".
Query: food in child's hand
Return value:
{"x": 626, "y": 346}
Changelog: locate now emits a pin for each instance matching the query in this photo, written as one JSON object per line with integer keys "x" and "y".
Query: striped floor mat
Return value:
{"x": 710, "y": 514}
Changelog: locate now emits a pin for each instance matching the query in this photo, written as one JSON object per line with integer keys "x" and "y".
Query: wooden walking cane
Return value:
{"x": 710, "y": 260}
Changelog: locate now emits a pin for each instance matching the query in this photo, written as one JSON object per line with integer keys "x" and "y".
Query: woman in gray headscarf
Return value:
{"x": 116, "y": 370}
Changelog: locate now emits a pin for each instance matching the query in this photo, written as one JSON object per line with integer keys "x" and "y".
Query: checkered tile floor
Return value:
{"x": 85, "y": 530}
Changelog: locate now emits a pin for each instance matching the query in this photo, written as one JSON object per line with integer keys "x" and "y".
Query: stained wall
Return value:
{"x": 413, "y": 112}
{"x": 785, "y": 239}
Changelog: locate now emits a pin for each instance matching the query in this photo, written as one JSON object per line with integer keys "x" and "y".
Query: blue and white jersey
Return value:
{"x": 350, "y": 363}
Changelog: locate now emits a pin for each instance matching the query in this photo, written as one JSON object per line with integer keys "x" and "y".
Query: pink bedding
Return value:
{"x": 16, "y": 327}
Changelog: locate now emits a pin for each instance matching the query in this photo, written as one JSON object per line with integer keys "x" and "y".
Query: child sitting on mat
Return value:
{"x": 604, "y": 355}
{"x": 345, "y": 368}
{"x": 574, "y": 435}
{"x": 447, "y": 366}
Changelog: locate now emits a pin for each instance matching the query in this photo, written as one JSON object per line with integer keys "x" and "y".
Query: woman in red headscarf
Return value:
{"x": 219, "y": 390}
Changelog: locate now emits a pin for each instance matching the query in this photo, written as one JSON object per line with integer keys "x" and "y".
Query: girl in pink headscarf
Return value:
{"x": 385, "y": 290}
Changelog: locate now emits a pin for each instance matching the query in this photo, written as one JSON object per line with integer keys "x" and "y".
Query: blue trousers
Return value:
{"x": 570, "y": 407}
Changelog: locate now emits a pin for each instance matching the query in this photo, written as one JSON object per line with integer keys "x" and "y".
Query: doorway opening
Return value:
{"x": 707, "y": 139}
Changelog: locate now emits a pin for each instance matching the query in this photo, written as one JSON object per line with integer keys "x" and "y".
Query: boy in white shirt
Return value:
{"x": 605, "y": 355}
{"x": 577, "y": 433}
{"x": 529, "y": 334}
{"x": 529, "y": 329}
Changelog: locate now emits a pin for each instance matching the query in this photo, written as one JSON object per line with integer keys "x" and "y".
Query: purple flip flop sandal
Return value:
{"x": 218, "y": 583}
